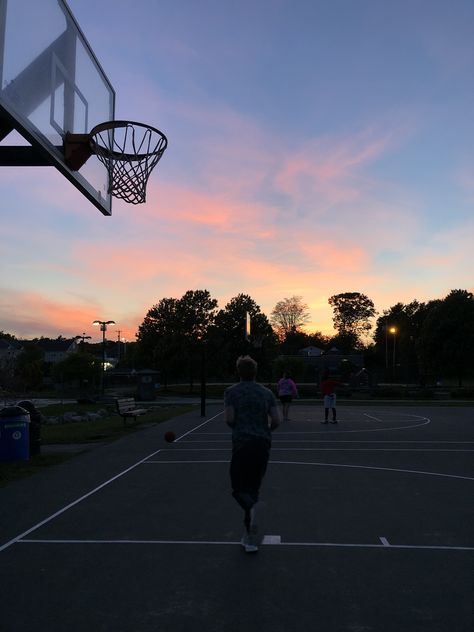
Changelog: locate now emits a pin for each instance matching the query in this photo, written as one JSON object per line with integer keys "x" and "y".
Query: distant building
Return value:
{"x": 9, "y": 351}
{"x": 332, "y": 360}
{"x": 57, "y": 350}
{"x": 310, "y": 352}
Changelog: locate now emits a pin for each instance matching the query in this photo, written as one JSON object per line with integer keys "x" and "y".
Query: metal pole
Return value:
{"x": 102, "y": 387}
{"x": 103, "y": 328}
{"x": 203, "y": 381}
{"x": 394, "y": 339}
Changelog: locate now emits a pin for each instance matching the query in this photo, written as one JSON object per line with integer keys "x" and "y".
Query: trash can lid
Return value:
{"x": 13, "y": 411}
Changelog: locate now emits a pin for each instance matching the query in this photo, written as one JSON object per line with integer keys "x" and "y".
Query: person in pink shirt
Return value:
{"x": 286, "y": 389}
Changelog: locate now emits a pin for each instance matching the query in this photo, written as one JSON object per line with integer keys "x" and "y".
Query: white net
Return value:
{"x": 129, "y": 152}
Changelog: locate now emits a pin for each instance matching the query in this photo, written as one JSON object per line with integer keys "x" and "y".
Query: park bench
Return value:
{"x": 126, "y": 408}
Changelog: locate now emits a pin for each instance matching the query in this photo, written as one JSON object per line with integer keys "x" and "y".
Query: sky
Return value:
{"x": 315, "y": 147}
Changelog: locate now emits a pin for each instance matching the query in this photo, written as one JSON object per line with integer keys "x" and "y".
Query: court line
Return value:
{"x": 371, "y": 449}
{"x": 182, "y": 462}
{"x": 270, "y": 541}
{"x": 426, "y": 421}
{"x": 372, "y": 417}
{"x": 303, "y": 432}
{"x": 360, "y": 467}
{"x": 339, "y": 430}
{"x": 96, "y": 489}
{"x": 374, "y": 441}
{"x": 383, "y": 469}
{"x": 330, "y": 449}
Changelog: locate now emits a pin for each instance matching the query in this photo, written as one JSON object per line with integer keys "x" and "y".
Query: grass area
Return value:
{"x": 104, "y": 430}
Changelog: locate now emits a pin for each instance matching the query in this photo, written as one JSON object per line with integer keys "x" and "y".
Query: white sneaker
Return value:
{"x": 248, "y": 544}
{"x": 251, "y": 548}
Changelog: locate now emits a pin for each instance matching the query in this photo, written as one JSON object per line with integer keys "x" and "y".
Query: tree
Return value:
{"x": 158, "y": 338}
{"x": 227, "y": 336}
{"x": 407, "y": 321}
{"x": 5, "y": 336}
{"x": 345, "y": 341}
{"x": 318, "y": 339}
{"x": 81, "y": 367}
{"x": 294, "y": 341}
{"x": 196, "y": 312}
{"x": 352, "y": 311}
{"x": 293, "y": 366}
{"x": 446, "y": 343}
{"x": 288, "y": 316}
{"x": 172, "y": 330}
{"x": 30, "y": 366}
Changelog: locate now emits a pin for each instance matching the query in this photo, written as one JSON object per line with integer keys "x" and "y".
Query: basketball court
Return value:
{"x": 367, "y": 525}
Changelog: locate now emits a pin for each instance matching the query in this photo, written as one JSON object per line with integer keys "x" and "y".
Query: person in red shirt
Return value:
{"x": 328, "y": 389}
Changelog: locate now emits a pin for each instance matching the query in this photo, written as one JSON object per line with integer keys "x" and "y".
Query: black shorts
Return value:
{"x": 248, "y": 467}
{"x": 285, "y": 399}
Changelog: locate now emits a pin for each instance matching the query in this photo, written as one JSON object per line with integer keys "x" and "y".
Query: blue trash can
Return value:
{"x": 14, "y": 434}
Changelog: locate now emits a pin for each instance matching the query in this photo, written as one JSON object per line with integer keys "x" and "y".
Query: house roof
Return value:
{"x": 9, "y": 344}
{"x": 56, "y": 345}
{"x": 311, "y": 347}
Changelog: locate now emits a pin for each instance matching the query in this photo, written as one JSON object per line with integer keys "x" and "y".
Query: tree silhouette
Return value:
{"x": 352, "y": 311}
{"x": 288, "y": 316}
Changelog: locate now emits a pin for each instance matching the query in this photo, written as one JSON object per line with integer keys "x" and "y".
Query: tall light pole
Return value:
{"x": 393, "y": 331}
{"x": 103, "y": 328}
{"x": 82, "y": 339}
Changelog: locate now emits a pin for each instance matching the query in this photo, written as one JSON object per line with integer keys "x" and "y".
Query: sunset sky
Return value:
{"x": 315, "y": 147}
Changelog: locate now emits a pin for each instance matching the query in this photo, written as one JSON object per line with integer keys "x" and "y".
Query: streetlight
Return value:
{"x": 121, "y": 341}
{"x": 103, "y": 328}
{"x": 393, "y": 331}
{"x": 82, "y": 339}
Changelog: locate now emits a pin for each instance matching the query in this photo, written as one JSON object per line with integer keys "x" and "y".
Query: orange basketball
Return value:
{"x": 170, "y": 436}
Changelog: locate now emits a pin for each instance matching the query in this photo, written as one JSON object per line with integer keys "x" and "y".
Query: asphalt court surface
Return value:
{"x": 368, "y": 525}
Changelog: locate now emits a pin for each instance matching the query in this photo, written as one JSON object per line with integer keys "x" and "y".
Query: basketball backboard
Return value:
{"x": 248, "y": 326}
{"x": 51, "y": 83}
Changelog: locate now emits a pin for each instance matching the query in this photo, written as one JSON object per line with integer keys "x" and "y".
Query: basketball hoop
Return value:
{"x": 129, "y": 151}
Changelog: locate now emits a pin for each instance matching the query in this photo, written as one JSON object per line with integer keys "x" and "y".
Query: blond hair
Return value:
{"x": 246, "y": 368}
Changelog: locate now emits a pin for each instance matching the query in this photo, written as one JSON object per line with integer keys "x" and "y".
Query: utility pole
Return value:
{"x": 118, "y": 344}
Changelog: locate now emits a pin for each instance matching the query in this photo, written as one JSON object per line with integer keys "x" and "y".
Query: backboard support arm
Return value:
{"x": 20, "y": 156}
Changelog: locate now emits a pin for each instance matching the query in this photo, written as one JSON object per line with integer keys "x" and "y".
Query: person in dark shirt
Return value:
{"x": 251, "y": 411}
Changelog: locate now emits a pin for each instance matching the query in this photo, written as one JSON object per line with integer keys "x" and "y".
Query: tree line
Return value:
{"x": 418, "y": 341}
{"x": 421, "y": 342}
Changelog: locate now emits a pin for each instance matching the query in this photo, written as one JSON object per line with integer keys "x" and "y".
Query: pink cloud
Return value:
{"x": 331, "y": 169}
{"x": 34, "y": 314}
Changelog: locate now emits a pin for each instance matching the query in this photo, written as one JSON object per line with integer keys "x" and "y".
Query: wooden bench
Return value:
{"x": 126, "y": 408}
